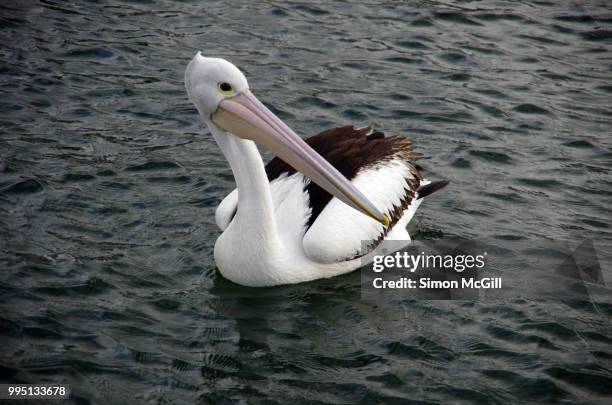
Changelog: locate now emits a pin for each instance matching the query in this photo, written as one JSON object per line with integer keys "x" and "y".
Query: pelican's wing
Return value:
{"x": 341, "y": 233}
{"x": 226, "y": 210}
{"x": 382, "y": 168}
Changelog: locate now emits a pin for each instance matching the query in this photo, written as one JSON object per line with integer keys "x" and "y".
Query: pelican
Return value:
{"x": 320, "y": 207}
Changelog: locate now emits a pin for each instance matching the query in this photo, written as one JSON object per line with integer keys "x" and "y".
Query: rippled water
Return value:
{"x": 109, "y": 184}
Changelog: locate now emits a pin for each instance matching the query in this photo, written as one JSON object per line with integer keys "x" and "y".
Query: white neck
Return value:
{"x": 255, "y": 215}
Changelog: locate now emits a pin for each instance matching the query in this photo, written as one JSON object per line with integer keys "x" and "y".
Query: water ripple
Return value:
{"x": 110, "y": 182}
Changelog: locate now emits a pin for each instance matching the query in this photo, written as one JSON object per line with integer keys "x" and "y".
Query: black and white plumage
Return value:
{"x": 382, "y": 166}
{"x": 280, "y": 226}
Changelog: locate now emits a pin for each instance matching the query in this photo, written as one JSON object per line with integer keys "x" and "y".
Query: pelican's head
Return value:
{"x": 221, "y": 94}
{"x": 209, "y": 81}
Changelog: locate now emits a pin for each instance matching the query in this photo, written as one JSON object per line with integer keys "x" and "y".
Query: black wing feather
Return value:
{"x": 351, "y": 150}
{"x": 431, "y": 188}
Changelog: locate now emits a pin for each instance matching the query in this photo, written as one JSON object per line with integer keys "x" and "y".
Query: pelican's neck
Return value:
{"x": 255, "y": 208}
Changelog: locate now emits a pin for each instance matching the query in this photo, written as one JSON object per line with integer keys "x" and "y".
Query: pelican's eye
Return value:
{"x": 226, "y": 88}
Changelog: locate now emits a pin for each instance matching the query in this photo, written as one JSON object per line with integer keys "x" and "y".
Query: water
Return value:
{"x": 109, "y": 185}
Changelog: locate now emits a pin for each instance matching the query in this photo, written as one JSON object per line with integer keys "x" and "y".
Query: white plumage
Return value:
{"x": 273, "y": 230}
{"x": 333, "y": 245}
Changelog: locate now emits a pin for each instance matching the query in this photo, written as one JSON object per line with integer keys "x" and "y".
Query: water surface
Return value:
{"x": 110, "y": 181}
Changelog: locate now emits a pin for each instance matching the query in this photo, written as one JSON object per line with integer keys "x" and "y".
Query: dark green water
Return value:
{"x": 109, "y": 185}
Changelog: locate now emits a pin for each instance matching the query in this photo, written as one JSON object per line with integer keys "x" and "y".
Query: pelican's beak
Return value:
{"x": 246, "y": 117}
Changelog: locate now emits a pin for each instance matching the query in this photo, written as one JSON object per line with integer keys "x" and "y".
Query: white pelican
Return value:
{"x": 320, "y": 206}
